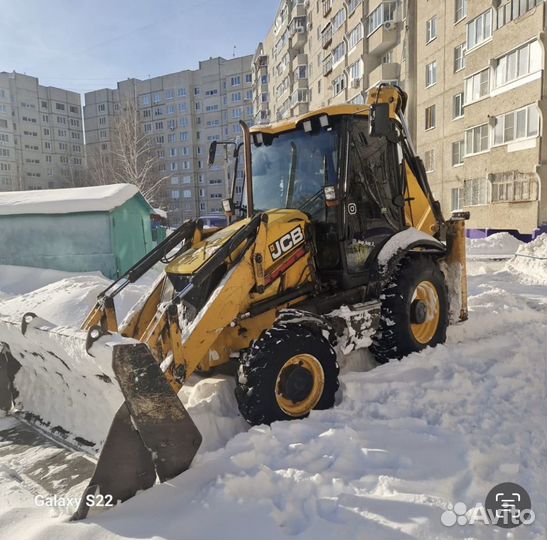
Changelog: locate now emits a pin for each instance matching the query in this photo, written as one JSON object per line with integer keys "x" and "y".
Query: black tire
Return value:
{"x": 395, "y": 337}
{"x": 259, "y": 370}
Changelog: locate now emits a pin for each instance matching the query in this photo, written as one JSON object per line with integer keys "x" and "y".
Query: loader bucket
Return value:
{"x": 106, "y": 397}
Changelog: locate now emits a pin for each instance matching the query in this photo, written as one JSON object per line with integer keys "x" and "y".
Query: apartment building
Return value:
{"x": 476, "y": 78}
{"x": 481, "y": 101}
{"x": 323, "y": 52}
{"x": 41, "y": 135}
{"x": 183, "y": 113}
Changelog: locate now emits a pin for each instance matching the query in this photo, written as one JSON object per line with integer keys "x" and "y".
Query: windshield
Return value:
{"x": 291, "y": 169}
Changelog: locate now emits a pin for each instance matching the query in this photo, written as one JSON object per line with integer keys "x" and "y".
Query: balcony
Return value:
{"x": 383, "y": 38}
{"x": 261, "y": 61}
{"x": 384, "y": 72}
{"x": 326, "y": 36}
{"x": 299, "y": 60}
{"x": 298, "y": 10}
{"x": 327, "y": 65}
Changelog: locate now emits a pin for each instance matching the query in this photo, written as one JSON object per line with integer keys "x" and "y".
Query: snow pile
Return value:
{"x": 66, "y": 201}
{"x": 64, "y": 298}
{"x": 530, "y": 261}
{"x": 498, "y": 245}
{"x": 16, "y": 280}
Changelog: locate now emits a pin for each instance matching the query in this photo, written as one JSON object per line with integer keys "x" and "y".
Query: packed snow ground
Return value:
{"x": 405, "y": 440}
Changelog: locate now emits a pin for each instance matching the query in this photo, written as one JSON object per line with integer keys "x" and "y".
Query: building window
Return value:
{"x": 145, "y": 100}
{"x": 352, "y": 5}
{"x": 181, "y": 92}
{"x": 101, "y": 107}
{"x": 460, "y": 10}
{"x": 338, "y": 53}
{"x": 457, "y": 198}
{"x": 169, "y": 94}
{"x": 513, "y": 9}
{"x": 355, "y": 36}
{"x": 429, "y": 160}
{"x": 431, "y": 74}
{"x": 459, "y": 57}
{"x": 457, "y": 106}
{"x": 517, "y": 125}
{"x": 479, "y": 29}
{"x": 513, "y": 186}
{"x": 477, "y": 86}
{"x": 431, "y": 29}
{"x": 157, "y": 97}
{"x": 60, "y": 106}
{"x": 339, "y": 19}
{"x": 236, "y": 96}
{"x": 338, "y": 84}
{"x": 519, "y": 63}
{"x": 356, "y": 72}
{"x": 235, "y": 81}
{"x": 476, "y": 140}
{"x": 430, "y": 121}
{"x": 475, "y": 192}
{"x": 457, "y": 153}
{"x": 187, "y": 194}
{"x": 383, "y": 13}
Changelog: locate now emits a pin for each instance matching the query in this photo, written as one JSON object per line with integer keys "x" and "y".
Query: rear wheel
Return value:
{"x": 289, "y": 371}
{"x": 414, "y": 310}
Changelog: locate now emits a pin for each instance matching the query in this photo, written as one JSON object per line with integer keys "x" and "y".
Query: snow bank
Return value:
{"x": 66, "y": 201}
{"x": 15, "y": 280}
{"x": 65, "y": 298}
{"x": 530, "y": 261}
{"x": 496, "y": 245}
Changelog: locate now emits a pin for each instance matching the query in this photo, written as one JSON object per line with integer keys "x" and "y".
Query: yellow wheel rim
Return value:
{"x": 299, "y": 385}
{"x": 427, "y": 293}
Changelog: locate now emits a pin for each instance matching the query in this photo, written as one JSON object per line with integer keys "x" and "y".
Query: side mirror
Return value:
{"x": 379, "y": 121}
{"x": 229, "y": 207}
{"x": 331, "y": 197}
{"x": 212, "y": 153}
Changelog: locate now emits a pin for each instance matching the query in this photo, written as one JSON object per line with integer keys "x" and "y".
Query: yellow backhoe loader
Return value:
{"x": 336, "y": 243}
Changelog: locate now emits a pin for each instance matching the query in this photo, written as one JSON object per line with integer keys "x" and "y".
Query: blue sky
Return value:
{"x": 83, "y": 45}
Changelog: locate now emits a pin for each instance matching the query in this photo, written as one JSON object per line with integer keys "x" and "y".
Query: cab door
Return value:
{"x": 372, "y": 210}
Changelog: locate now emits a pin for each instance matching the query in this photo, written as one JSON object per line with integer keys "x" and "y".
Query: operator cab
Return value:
{"x": 345, "y": 179}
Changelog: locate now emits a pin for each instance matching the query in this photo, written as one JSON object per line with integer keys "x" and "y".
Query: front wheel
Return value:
{"x": 289, "y": 371}
{"x": 414, "y": 310}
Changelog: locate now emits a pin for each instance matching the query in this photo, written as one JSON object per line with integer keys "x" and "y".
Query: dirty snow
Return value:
{"x": 67, "y": 200}
{"x": 405, "y": 440}
{"x": 498, "y": 245}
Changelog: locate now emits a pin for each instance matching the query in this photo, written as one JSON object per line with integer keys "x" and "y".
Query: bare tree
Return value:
{"x": 135, "y": 155}
{"x": 131, "y": 159}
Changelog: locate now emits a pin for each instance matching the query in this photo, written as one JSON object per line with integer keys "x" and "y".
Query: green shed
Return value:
{"x": 105, "y": 228}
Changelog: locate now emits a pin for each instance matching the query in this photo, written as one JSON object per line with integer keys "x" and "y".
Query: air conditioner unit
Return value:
{"x": 389, "y": 25}
{"x": 356, "y": 83}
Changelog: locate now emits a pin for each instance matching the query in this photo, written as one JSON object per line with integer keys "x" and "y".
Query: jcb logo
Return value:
{"x": 286, "y": 242}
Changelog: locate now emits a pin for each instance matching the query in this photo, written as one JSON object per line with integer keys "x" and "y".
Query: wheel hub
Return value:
{"x": 425, "y": 312}
{"x": 296, "y": 383}
{"x": 418, "y": 312}
{"x": 299, "y": 385}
